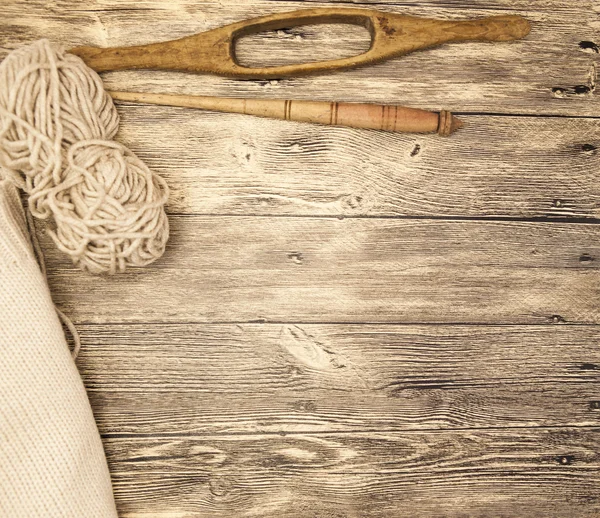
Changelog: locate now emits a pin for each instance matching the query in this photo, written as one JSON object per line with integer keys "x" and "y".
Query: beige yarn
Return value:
{"x": 56, "y": 126}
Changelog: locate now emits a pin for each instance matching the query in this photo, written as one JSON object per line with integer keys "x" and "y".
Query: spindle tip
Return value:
{"x": 448, "y": 124}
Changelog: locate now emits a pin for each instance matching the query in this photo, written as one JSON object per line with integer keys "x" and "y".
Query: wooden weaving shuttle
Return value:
{"x": 392, "y": 35}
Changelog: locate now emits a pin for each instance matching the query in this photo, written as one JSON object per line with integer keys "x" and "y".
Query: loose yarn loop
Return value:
{"x": 56, "y": 128}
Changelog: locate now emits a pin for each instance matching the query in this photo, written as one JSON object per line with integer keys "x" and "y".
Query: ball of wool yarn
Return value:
{"x": 56, "y": 128}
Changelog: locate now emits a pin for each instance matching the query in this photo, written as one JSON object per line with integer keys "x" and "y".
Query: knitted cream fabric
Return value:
{"x": 51, "y": 459}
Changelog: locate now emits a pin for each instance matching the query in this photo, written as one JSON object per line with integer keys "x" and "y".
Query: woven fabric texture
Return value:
{"x": 52, "y": 463}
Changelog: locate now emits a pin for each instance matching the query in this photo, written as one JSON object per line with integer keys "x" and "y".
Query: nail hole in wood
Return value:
{"x": 297, "y": 257}
{"x": 565, "y": 460}
{"x": 582, "y": 89}
{"x": 416, "y": 150}
{"x": 589, "y": 46}
{"x": 588, "y": 149}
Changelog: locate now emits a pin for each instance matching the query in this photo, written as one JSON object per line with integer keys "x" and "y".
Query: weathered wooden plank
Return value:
{"x": 238, "y": 269}
{"x": 549, "y": 73}
{"x": 260, "y": 378}
{"x": 496, "y": 166}
{"x": 521, "y": 5}
{"x": 533, "y": 473}
{"x": 383, "y": 409}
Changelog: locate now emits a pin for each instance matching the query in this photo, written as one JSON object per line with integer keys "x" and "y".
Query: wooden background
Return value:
{"x": 353, "y": 323}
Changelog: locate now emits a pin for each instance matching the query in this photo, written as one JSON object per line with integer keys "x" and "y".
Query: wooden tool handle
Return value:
{"x": 214, "y": 51}
{"x": 354, "y": 115}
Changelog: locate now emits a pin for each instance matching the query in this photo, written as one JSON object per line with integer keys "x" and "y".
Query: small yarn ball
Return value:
{"x": 56, "y": 128}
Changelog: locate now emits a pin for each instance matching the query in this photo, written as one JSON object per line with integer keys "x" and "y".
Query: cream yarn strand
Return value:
{"x": 39, "y": 255}
{"x": 56, "y": 129}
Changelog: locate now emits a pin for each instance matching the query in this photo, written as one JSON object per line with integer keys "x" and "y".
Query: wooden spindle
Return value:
{"x": 353, "y": 115}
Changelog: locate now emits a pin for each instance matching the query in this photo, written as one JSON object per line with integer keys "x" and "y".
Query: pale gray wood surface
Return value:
{"x": 240, "y": 268}
{"x": 352, "y": 323}
{"x": 506, "y": 472}
{"x": 216, "y": 163}
{"x": 342, "y": 378}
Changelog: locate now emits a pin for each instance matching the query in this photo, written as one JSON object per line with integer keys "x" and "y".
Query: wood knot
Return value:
{"x": 353, "y": 201}
{"x": 293, "y": 371}
{"x": 219, "y": 486}
{"x": 307, "y": 350}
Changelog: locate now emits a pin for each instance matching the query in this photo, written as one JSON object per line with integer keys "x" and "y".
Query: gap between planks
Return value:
{"x": 365, "y": 431}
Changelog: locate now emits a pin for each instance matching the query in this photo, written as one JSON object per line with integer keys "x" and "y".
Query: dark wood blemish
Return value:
{"x": 258, "y": 321}
{"x": 582, "y": 89}
{"x": 385, "y": 25}
{"x": 589, "y": 46}
{"x": 296, "y": 257}
{"x": 589, "y": 367}
{"x": 594, "y": 405}
{"x": 416, "y": 150}
{"x": 588, "y": 149}
{"x": 565, "y": 460}
{"x": 560, "y": 92}
{"x": 305, "y": 406}
{"x": 290, "y": 31}
{"x": 585, "y": 258}
{"x": 557, "y": 319}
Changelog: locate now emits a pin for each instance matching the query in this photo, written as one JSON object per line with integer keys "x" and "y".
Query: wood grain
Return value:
{"x": 240, "y": 269}
{"x": 532, "y": 473}
{"x": 256, "y": 371}
{"x": 494, "y": 167}
{"x": 548, "y": 73}
{"x": 262, "y": 378}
